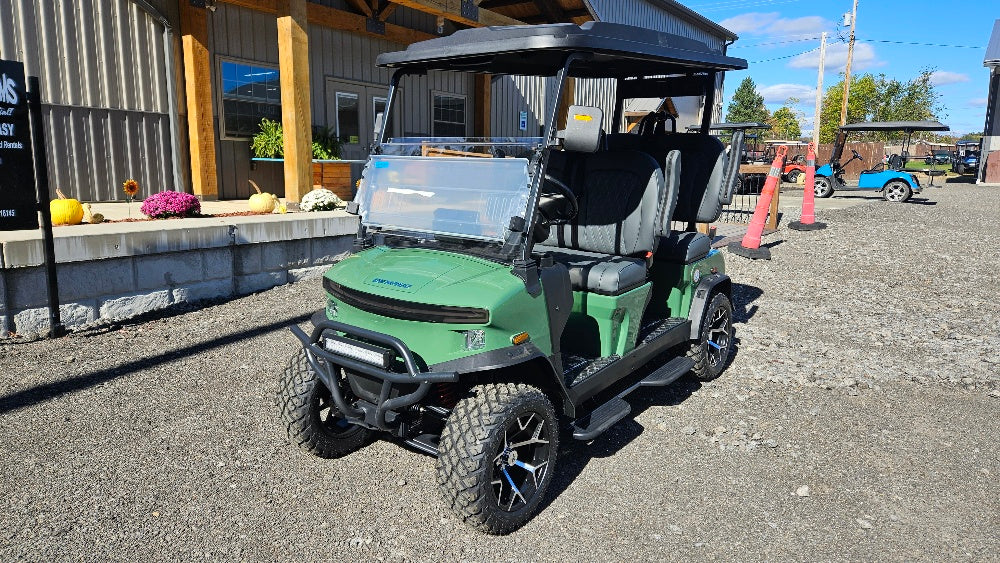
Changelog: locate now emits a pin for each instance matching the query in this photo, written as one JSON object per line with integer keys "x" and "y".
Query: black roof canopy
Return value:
{"x": 609, "y": 50}
{"x": 908, "y": 126}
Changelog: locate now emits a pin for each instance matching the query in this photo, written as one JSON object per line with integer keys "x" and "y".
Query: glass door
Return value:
{"x": 351, "y": 109}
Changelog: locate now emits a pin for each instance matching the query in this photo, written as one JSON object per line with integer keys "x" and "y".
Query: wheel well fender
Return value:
{"x": 709, "y": 286}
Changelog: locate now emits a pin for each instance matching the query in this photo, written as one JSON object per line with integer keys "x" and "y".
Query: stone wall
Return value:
{"x": 119, "y": 270}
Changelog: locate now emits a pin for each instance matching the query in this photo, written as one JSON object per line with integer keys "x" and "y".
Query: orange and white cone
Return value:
{"x": 808, "y": 218}
{"x": 749, "y": 247}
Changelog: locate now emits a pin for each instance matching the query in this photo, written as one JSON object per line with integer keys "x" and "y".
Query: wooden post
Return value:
{"x": 568, "y": 96}
{"x": 481, "y": 119}
{"x": 296, "y": 115}
{"x": 198, "y": 89}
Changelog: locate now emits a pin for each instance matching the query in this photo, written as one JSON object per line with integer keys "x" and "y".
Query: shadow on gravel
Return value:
{"x": 921, "y": 202}
{"x": 743, "y": 298}
{"x": 41, "y": 393}
{"x": 574, "y": 455}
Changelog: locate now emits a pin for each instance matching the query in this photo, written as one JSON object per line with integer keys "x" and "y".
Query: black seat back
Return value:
{"x": 702, "y": 178}
{"x": 621, "y": 200}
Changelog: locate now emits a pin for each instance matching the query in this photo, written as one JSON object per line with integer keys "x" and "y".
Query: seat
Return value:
{"x": 622, "y": 205}
{"x": 683, "y": 247}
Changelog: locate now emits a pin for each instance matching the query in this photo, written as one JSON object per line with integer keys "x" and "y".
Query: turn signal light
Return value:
{"x": 520, "y": 338}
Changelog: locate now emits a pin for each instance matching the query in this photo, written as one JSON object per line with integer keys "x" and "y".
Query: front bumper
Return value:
{"x": 382, "y": 413}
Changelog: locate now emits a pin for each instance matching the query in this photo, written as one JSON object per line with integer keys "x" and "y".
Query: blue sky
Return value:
{"x": 774, "y": 35}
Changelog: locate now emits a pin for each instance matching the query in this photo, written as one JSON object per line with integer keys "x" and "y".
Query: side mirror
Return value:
{"x": 584, "y": 127}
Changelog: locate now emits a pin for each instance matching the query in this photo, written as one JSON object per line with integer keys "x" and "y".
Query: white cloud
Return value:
{"x": 772, "y": 24}
{"x": 836, "y": 58}
{"x": 778, "y": 93}
{"x": 977, "y": 102}
{"x": 941, "y": 77}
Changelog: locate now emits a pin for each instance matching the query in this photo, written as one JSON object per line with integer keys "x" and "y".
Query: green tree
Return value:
{"x": 877, "y": 98}
{"x": 971, "y": 137}
{"x": 785, "y": 124}
{"x": 747, "y": 104}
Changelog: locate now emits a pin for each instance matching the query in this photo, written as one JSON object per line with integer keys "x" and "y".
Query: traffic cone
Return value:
{"x": 750, "y": 246}
{"x": 808, "y": 219}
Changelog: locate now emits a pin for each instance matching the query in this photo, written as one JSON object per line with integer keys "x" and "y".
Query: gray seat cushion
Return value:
{"x": 599, "y": 273}
{"x": 683, "y": 248}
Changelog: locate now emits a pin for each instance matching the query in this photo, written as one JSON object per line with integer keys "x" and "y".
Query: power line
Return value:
{"x": 812, "y": 38}
{"x": 785, "y": 57}
{"x": 920, "y": 44}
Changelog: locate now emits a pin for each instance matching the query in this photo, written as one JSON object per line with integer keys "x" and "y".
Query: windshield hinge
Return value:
{"x": 527, "y": 270}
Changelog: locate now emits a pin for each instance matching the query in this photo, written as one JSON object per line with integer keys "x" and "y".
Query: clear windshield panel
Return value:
{"x": 467, "y": 147}
{"x": 457, "y": 196}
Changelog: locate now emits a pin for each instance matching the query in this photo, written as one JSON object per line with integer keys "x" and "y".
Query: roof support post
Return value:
{"x": 296, "y": 114}
{"x": 482, "y": 102}
{"x": 198, "y": 89}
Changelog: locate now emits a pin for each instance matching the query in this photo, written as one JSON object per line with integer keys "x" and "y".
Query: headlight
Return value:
{"x": 331, "y": 309}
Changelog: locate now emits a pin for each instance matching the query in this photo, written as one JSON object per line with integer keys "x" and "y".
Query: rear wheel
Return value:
{"x": 793, "y": 176}
{"x": 497, "y": 456}
{"x": 712, "y": 351}
{"x": 822, "y": 187}
{"x": 897, "y": 191}
{"x": 310, "y": 417}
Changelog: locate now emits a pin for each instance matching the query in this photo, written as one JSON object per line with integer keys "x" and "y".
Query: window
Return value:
{"x": 250, "y": 92}
{"x": 348, "y": 118}
{"x": 449, "y": 116}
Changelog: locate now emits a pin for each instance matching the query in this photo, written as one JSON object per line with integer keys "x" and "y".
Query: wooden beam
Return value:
{"x": 340, "y": 19}
{"x": 481, "y": 109}
{"x": 361, "y": 6}
{"x": 198, "y": 92}
{"x": 551, "y": 10}
{"x": 451, "y": 10}
{"x": 296, "y": 115}
{"x": 491, "y": 4}
{"x": 382, "y": 9}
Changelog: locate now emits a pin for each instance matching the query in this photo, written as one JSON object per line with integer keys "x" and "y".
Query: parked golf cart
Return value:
{"x": 896, "y": 183}
{"x": 966, "y": 157}
{"x": 503, "y": 291}
{"x": 795, "y": 164}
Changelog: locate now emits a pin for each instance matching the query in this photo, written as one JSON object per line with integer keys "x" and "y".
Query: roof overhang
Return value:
{"x": 992, "y": 58}
{"x": 607, "y": 50}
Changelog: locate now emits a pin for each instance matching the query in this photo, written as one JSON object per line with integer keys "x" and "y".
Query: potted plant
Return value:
{"x": 326, "y": 151}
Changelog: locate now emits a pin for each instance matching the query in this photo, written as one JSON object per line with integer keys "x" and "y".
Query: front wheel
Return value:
{"x": 497, "y": 456}
{"x": 712, "y": 351}
{"x": 897, "y": 192}
{"x": 822, "y": 186}
{"x": 311, "y": 420}
{"x": 793, "y": 176}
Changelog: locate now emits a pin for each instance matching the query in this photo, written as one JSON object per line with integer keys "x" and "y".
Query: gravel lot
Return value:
{"x": 857, "y": 421}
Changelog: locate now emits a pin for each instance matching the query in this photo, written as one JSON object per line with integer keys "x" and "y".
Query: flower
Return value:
{"x": 131, "y": 187}
{"x": 170, "y": 204}
{"x": 320, "y": 199}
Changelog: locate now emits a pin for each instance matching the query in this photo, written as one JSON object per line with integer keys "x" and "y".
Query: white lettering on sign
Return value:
{"x": 8, "y": 90}
{"x": 10, "y": 145}
{"x": 6, "y": 112}
{"x": 8, "y": 213}
{"x": 6, "y": 129}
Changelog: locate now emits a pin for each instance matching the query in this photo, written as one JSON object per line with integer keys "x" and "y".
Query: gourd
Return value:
{"x": 261, "y": 202}
{"x": 65, "y": 211}
{"x": 90, "y": 217}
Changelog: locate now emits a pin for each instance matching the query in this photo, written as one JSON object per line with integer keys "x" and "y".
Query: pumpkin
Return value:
{"x": 90, "y": 217}
{"x": 261, "y": 202}
{"x": 65, "y": 211}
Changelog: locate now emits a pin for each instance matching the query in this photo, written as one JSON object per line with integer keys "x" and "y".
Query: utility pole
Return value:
{"x": 819, "y": 90}
{"x": 847, "y": 70}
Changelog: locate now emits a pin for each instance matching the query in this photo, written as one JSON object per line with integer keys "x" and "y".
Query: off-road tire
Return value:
{"x": 472, "y": 440}
{"x": 301, "y": 398}
{"x": 822, "y": 186}
{"x": 705, "y": 367}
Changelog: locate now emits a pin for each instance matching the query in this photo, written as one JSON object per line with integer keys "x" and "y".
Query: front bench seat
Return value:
{"x": 621, "y": 197}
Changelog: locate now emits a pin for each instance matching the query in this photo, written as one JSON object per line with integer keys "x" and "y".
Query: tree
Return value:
{"x": 785, "y": 122}
{"x": 747, "y": 104}
{"x": 971, "y": 137}
{"x": 877, "y": 98}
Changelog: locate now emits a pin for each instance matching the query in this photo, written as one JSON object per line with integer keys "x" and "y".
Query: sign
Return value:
{"x": 18, "y": 204}
{"x": 523, "y": 123}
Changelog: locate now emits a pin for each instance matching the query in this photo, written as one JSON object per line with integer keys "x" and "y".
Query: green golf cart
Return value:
{"x": 505, "y": 292}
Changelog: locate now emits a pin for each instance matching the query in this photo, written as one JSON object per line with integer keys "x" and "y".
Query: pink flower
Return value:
{"x": 170, "y": 204}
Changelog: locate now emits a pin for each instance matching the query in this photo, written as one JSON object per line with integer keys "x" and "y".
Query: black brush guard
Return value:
{"x": 383, "y": 414}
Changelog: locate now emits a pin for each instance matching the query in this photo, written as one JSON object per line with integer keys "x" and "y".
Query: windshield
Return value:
{"x": 453, "y": 187}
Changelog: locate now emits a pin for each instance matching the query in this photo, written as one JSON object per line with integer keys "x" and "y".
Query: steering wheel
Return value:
{"x": 856, "y": 155}
{"x": 563, "y": 197}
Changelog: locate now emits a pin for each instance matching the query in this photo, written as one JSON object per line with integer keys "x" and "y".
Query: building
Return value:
{"x": 989, "y": 160}
{"x": 170, "y": 91}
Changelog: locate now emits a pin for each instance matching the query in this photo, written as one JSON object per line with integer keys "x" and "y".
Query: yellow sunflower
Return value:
{"x": 131, "y": 187}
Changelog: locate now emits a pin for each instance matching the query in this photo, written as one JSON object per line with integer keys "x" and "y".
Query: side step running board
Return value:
{"x": 602, "y": 418}
{"x": 607, "y": 415}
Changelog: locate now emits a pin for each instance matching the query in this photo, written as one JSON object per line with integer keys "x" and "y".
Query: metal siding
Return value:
{"x": 642, "y": 14}
{"x": 102, "y": 72}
